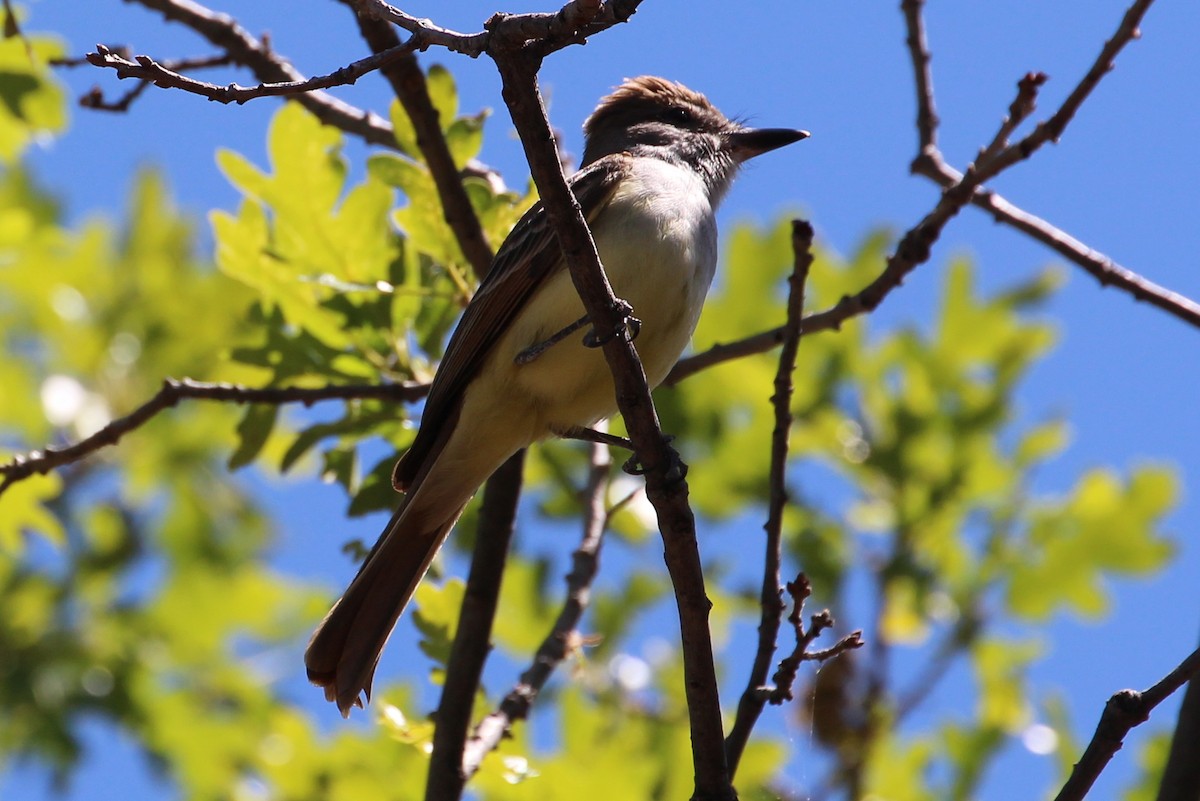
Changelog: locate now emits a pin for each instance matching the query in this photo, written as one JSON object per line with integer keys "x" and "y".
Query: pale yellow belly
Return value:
{"x": 659, "y": 252}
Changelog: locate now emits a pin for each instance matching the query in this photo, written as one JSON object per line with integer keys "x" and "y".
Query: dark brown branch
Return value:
{"x": 175, "y": 390}
{"x": 94, "y": 98}
{"x": 1181, "y": 776}
{"x": 408, "y": 83}
{"x": 564, "y": 636}
{"x": 1128, "y": 30}
{"x": 918, "y": 50}
{"x": 224, "y": 33}
{"x": 1019, "y": 110}
{"x": 771, "y": 599}
{"x": 829, "y": 320}
{"x": 995, "y": 160}
{"x": 571, "y": 24}
{"x": 785, "y": 677}
{"x": 1124, "y": 711}
{"x": 930, "y": 163}
{"x": 665, "y": 485}
{"x": 472, "y": 638}
{"x": 147, "y": 69}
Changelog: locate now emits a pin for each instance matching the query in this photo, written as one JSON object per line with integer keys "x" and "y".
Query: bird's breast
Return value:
{"x": 657, "y": 241}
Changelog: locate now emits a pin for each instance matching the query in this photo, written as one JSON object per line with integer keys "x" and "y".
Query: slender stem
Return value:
{"x": 1124, "y": 711}
{"x": 771, "y": 599}
{"x": 175, "y": 390}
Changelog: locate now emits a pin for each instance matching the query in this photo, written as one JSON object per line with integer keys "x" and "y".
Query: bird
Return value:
{"x": 658, "y": 158}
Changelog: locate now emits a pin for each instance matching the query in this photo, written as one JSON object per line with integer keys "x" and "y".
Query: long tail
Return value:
{"x": 346, "y": 646}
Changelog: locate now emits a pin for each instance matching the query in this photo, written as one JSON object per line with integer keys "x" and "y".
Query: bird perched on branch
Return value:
{"x": 658, "y": 158}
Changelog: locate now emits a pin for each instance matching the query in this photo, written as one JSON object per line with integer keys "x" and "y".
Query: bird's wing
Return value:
{"x": 527, "y": 258}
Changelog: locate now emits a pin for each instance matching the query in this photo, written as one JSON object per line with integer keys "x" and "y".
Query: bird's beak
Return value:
{"x": 749, "y": 142}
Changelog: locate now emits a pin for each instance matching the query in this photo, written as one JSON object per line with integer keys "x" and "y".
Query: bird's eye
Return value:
{"x": 680, "y": 115}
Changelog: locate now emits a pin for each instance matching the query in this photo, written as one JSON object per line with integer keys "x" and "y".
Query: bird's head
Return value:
{"x": 650, "y": 116}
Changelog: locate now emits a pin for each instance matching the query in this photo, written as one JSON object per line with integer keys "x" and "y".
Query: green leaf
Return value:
{"x": 436, "y": 610}
{"x": 465, "y": 138}
{"x": 341, "y": 465}
{"x": 253, "y": 432}
{"x": 1103, "y": 527}
{"x": 524, "y": 616}
{"x": 1042, "y": 442}
{"x": 32, "y": 103}
{"x": 402, "y": 127}
{"x": 22, "y": 510}
{"x": 1151, "y": 762}
{"x": 1000, "y": 670}
{"x": 443, "y": 93}
{"x": 376, "y": 492}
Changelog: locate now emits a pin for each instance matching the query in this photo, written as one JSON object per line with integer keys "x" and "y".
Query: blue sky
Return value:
{"x": 1122, "y": 180}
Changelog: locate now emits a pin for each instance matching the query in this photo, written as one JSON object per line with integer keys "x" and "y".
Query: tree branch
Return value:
{"x": 571, "y": 24}
{"x": 665, "y": 485}
{"x": 563, "y": 637}
{"x": 1098, "y": 265}
{"x": 94, "y": 98}
{"x": 1124, "y": 711}
{"x": 1181, "y": 777}
{"x": 789, "y": 666}
{"x": 147, "y": 69}
{"x": 472, "y": 638}
{"x": 223, "y": 32}
{"x": 771, "y": 600}
{"x": 918, "y": 50}
{"x": 175, "y": 390}
{"x": 930, "y": 163}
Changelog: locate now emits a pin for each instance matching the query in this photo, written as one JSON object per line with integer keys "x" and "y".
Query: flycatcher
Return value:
{"x": 657, "y": 160}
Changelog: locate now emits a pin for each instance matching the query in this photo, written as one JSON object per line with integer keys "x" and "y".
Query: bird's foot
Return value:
{"x": 628, "y": 324}
{"x": 537, "y": 349}
{"x": 586, "y": 434}
{"x": 676, "y": 468}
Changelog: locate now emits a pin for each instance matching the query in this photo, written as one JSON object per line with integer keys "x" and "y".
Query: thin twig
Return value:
{"x": 1124, "y": 711}
{"x": 665, "y": 485}
{"x": 771, "y": 599}
{"x": 160, "y": 74}
{"x": 1181, "y": 775}
{"x": 782, "y": 682}
{"x": 563, "y": 637}
{"x": 831, "y": 319}
{"x": 94, "y": 98}
{"x": 1019, "y": 110}
{"x": 918, "y": 50}
{"x": 175, "y": 390}
{"x": 996, "y": 160}
{"x": 472, "y": 638}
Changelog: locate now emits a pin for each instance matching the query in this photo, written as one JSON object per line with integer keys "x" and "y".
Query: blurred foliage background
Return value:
{"x": 137, "y": 586}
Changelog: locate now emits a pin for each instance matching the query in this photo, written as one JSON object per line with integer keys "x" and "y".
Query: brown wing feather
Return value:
{"x": 528, "y": 256}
